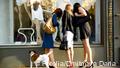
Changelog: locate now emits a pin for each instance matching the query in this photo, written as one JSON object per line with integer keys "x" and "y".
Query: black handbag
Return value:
{"x": 64, "y": 42}
{"x": 63, "y": 45}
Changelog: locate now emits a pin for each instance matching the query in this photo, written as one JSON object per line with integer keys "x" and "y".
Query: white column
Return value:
{"x": 6, "y": 21}
{"x": 11, "y": 17}
{"x": 97, "y": 22}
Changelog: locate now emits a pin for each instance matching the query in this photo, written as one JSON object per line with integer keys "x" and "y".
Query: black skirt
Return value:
{"x": 85, "y": 31}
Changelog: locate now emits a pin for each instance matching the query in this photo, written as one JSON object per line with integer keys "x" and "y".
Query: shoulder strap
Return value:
{"x": 66, "y": 21}
{"x": 71, "y": 23}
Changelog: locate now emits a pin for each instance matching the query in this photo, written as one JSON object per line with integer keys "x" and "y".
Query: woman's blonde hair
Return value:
{"x": 67, "y": 6}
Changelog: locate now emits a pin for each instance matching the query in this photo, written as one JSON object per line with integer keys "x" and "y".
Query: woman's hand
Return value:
{"x": 76, "y": 14}
{"x": 82, "y": 12}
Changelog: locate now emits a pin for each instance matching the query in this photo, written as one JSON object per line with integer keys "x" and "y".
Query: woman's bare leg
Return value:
{"x": 69, "y": 55}
{"x": 88, "y": 51}
{"x": 85, "y": 52}
{"x": 72, "y": 53}
{"x": 51, "y": 57}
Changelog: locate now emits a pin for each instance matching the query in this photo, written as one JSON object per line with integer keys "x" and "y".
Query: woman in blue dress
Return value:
{"x": 48, "y": 40}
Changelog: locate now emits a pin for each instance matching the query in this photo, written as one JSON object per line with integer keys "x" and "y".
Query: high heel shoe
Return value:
{"x": 51, "y": 67}
{"x": 90, "y": 66}
{"x": 70, "y": 65}
{"x": 83, "y": 64}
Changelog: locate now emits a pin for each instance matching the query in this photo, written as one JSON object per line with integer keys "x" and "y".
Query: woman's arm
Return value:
{"x": 81, "y": 11}
{"x": 54, "y": 20}
{"x": 63, "y": 22}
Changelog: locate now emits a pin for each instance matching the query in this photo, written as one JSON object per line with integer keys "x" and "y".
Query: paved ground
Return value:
{"x": 83, "y": 67}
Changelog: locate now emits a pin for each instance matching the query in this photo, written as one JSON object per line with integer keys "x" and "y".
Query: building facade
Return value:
{"x": 106, "y": 50}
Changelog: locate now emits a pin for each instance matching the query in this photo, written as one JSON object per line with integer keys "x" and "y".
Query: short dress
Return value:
{"x": 84, "y": 27}
{"x": 48, "y": 40}
{"x": 85, "y": 30}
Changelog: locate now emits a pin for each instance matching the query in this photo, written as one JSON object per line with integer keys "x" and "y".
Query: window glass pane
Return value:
{"x": 6, "y": 22}
{"x": 93, "y": 6}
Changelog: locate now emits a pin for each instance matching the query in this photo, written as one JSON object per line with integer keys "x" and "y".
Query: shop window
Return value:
{"x": 93, "y": 6}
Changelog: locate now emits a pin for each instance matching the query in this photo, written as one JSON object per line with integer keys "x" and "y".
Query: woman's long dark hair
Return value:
{"x": 58, "y": 12}
{"x": 75, "y": 7}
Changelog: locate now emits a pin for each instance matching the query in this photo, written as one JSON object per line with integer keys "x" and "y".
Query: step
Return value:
{"x": 78, "y": 67}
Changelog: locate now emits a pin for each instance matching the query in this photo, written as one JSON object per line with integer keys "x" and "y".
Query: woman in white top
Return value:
{"x": 37, "y": 18}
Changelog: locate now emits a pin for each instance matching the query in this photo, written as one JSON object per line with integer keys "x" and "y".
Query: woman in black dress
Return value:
{"x": 85, "y": 32}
